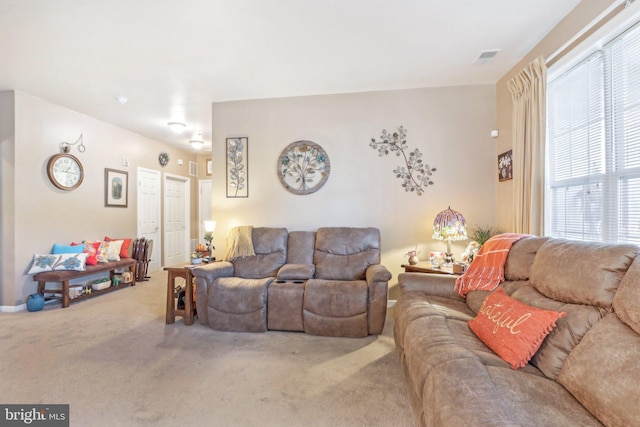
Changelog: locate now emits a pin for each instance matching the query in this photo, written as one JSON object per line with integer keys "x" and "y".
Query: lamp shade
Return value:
{"x": 449, "y": 225}
{"x": 210, "y": 226}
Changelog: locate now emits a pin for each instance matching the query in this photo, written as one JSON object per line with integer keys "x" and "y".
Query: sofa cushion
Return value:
{"x": 626, "y": 303}
{"x": 520, "y": 258}
{"x": 566, "y": 335}
{"x": 270, "y": 247}
{"x": 335, "y": 307}
{"x": 512, "y": 329}
{"x": 581, "y": 272}
{"x": 603, "y": 372}
{"x": 344, "y": 253}
{"x": 296, "y": 272}
{"x": 64, "y": 262}
{"x": 300, "y": 247}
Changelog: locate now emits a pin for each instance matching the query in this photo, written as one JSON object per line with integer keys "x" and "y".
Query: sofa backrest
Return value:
{"x": 603, "y": 371}
{"x": 579, "y": 278}
{"x": 300, "y": 247}
{"x": 270, "y": 246}
{"x": 345, "y": 253}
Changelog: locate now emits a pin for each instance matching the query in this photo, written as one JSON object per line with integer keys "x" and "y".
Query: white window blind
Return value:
{"x": 593, "y": 136}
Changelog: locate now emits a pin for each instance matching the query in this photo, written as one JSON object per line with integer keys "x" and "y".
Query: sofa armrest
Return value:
{"x": 441, "y": 285}
{"x": 205, "y": 276}
{"x": 377, "y": 277}
{"x": 377, "y": 273}
{"x": 296, "y": 272}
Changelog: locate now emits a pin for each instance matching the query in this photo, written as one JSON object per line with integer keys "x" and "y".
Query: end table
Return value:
{"x": 188, "y": 312}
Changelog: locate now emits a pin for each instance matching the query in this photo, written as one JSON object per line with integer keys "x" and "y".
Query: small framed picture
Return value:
{"x": 116, "y": 188}
{"x": 209, "y": 168}
{"x": 505, "y": 166}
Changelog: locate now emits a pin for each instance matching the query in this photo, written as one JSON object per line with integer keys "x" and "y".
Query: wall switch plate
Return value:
{"x": 180, "y": 162}
{"x": 125, "y": 162}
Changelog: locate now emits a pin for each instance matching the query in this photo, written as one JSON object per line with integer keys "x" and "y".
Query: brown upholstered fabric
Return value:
{"x": 237, "y": 304}
{"x": 521, "y": 256}
{"x": 627, "y": 300}
{"x": 270, "y": 246}
{"x": 581, "y": 272}
{"x": 344, "y": 253}
{"x": 205, "y": 275}
{"x": 284, "y": 302}
{"x": 296, "y": 272}
{"x": 336, "y": 308}
{"x": 300, "y": 247}
{"x": 586, "y": 371}
{"x": 603, "y": 372}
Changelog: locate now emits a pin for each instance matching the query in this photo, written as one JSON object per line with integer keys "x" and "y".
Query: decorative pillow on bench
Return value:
{"x": 513, "y": 330}
{"x": 50, "y": 262}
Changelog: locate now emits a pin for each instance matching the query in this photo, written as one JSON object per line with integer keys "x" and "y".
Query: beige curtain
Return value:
{"x": 528, "y": 92}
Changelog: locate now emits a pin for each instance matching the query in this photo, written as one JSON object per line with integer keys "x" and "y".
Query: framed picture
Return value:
{"x": 505, "y": 166}
{"x": 209, "y": 171}
{"x": 116, "y": 188}
{"x": 237, "y": 167}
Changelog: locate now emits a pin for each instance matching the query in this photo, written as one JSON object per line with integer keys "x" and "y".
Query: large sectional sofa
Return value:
{"x": 327, "y": 282}
{"x": 585, "y": 373}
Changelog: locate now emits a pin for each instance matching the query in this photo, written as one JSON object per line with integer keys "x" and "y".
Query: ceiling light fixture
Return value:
{"x": 177, "y": 127}
{"x": 196, "y": 144}
{"x": 122, "y": 100}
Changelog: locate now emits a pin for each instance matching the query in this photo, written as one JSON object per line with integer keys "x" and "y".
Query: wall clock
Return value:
{"x": 163, "y": 158}
{"x": 303, "y": 167}
{"x": 65, "y": 171}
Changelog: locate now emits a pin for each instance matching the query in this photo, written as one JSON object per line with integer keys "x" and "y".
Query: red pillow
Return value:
{"x": 512, "y": 329}
{"x": 124, "y": 251}
{"x": 91, "y": 249}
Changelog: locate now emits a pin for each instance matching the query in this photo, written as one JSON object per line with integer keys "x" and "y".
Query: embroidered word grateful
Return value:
{"x": 503, "y": 319}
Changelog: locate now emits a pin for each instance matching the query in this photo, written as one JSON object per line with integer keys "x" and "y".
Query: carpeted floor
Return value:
{"x": 117, "y": 363}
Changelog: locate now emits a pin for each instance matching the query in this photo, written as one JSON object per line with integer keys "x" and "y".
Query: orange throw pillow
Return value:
{"x": 124, "y": 250}
{"x": 91, "y": 249}
{"x": 513, "y": 330}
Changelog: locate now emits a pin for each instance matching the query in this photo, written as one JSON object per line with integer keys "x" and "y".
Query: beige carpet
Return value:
{"x": 113, "y": 359}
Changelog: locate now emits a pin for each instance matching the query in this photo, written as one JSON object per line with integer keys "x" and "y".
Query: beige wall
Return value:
{"x": 584, "y": 13}
{"x": 43, "y": 214}
{"x": 451, "y": 127}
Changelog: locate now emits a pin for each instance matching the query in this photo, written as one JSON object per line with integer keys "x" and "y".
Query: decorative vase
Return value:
{"x": 413, "y": 260}
{"x": 35, "y": 302}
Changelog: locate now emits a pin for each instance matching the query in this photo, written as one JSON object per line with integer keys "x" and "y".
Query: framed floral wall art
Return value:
{"x": 505, "y": 166}
{"x": 303, "y": 167}
{"x": 237, "y": 167}
{"x": 116, "y": 188}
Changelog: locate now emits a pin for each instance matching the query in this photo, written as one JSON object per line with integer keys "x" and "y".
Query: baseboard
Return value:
{"x": 12, "y": 308}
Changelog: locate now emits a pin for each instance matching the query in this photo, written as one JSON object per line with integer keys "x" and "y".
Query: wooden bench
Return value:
{"x": 63, "y": 277}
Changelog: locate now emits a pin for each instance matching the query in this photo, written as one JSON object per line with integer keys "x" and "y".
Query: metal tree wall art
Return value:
{"x": 417, "y": 175}
{"x": 237, "y": 169}
{"x": 303, "y": 167}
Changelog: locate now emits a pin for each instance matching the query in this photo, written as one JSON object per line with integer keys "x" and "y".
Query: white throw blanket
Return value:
{"x": 239, "y": 243}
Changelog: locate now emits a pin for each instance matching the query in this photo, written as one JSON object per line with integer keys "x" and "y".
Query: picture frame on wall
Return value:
{"x": 505, "y": 166}
{"x": 209, "y": 168}
{"x": 237, "y": 160}
{"x": 116, "y": 188}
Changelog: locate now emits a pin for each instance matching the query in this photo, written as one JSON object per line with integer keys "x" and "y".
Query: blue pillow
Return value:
{"x": 64, "y": 249}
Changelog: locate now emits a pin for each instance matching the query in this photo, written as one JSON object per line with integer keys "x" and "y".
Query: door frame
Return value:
{"x": 186, "y": 182}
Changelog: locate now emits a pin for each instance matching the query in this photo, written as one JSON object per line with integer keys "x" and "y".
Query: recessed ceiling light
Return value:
{"x": 177, "y": 127}
{"x": 122, "y": 99}
{"x": 196, "y": 144}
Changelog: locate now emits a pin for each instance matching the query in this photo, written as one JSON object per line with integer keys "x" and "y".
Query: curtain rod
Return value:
{"x": 594, "y": 26}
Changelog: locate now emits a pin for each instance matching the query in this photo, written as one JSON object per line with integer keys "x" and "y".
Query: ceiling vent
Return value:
{"x": 486, "y": 56}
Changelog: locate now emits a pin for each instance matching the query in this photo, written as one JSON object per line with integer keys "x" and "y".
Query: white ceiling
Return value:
{"x": 172, "y": 59}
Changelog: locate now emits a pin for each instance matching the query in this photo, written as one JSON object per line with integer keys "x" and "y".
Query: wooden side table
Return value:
{"x": 189, "y": 307}
{"x": 426, "y": 267}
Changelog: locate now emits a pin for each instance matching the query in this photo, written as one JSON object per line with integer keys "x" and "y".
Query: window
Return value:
{"x": 593, "y": 137}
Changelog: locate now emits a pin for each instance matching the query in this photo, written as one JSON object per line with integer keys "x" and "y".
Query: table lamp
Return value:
{"x": 449, "y": 225}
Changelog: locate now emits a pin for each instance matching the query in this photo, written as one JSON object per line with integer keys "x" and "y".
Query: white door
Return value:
{"x": 176, "y": 220}
{"x": 149, "y": 212}
{"x": 204, "y": 207}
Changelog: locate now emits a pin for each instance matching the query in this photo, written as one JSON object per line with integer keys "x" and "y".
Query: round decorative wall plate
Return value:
{"x": 303, "y": 167}
{"x": 163, "y": 158}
